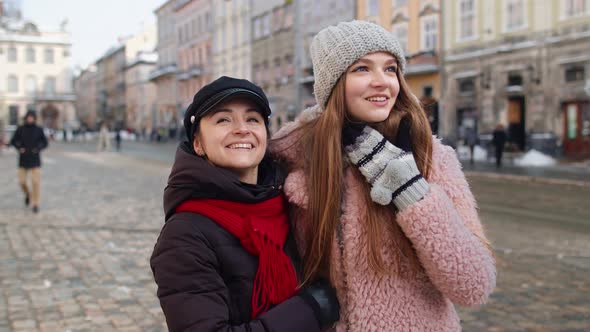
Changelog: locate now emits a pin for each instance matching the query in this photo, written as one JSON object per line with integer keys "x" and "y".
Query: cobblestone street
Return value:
{"x": 81, "y": 264}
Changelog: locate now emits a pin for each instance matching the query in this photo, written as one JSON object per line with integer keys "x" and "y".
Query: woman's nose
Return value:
{"x": 378, "y": 79}
{"x": 241, "y": 127}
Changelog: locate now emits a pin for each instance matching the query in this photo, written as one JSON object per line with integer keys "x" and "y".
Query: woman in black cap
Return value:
{"x": 225, "y": 259}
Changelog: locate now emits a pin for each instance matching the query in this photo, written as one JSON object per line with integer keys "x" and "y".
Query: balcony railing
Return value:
{"x": 53, "y": 96}
{"x": 195, "y": 71}
{"x": 162, "y": 71}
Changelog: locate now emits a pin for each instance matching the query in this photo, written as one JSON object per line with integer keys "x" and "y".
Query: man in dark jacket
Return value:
{"x": 29, "y": 140}
{"x": 499, "y": 140}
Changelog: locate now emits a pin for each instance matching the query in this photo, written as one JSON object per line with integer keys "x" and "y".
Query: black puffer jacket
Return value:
{"x": 31, "y": 138}
{"x": 204, "y": 275}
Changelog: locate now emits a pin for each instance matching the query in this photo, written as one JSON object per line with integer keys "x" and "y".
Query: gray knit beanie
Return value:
{"x": 337, "y": 47}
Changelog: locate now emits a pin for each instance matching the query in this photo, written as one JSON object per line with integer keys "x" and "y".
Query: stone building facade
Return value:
{"x": 35, "y": 74}
{"x": 522, "y": 64}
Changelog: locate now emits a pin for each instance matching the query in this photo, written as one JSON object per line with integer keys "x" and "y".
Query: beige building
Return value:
{"x": 140, "y": 93}
{"x": 523, "y": 64}
{"x": 231, "y": 43}
{"x": 194, "y": 48}
{"x": 317, "y": 15}
{"x": 111, "y": 87}
{"x": 164, "y": 75}
{"x": 272, "y": 57}
{"x": 416, "y": 24}
{"x": 111, "y": 76}
{"x": 85, "y": 90}
{"x": 35, "y": 74}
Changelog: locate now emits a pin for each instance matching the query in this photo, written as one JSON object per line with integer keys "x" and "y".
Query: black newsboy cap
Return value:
{"x": 218, "y": 91}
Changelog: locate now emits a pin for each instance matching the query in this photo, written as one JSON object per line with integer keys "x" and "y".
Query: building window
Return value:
{"x": 266, "y": 25}
{"x": 515, "y": 15}
{"x": 400, "y": 31}
{"x": 514, "y": 79}
{"x": 574, "y": 8}
{"x": 257, "y": 28}
{"x": 373, "y": 8}
{"x": 288, "y": 19}
{"x": 265, "y": 73}
{"x": 13, "y": 115}
{"x": 278, "y": 72}
{"x": 12, "y": 83}
{"x": 49, "y": 56}
{"x": 467, "y": 19}
{"x": 12, "y": 56}
{"x": 575, "y": 73}
{"x": 466, "y": 86}
{"x": 289, "y": 67}
{"x": 235, "y": 34}
{"x": 30, "y": 85}
{"x": 30, "y": 55}
{"x": 49, "y": 86}
{"x": 277, "y": 19}
{"x": 429, "y": 32}
{"x": 399, "y": 3}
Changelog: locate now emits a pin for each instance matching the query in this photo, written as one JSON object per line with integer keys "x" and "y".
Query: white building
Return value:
{"x": 35, "y": 74}
{"x": 231, "y": 44}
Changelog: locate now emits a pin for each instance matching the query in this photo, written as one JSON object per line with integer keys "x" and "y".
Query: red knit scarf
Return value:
{"x": 262, "y": 230}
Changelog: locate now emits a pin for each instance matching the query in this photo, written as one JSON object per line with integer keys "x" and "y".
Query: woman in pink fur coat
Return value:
{"x": 380, "y": 206}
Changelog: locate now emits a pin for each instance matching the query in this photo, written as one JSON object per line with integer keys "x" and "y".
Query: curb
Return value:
{"x": 528, "y": 178}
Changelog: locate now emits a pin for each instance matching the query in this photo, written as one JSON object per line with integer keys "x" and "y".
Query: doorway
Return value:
{"x": 576, "y": 134}
{"x": 49, "y": 116}
{"x": 516, "y": 122}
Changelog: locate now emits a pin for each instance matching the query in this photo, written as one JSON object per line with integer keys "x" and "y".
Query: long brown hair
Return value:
{"x": 324, "y": 166}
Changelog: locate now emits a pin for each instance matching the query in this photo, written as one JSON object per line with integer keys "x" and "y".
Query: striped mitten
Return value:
{"x": 392, "y": 172}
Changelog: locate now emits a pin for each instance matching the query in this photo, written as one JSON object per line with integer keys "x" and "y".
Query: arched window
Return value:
{"x": 12, "y": 83}
{"x": 30, "y": 55}
{"x": 12, "y": 55}
{"x": 49, "y": 86}
{"x": 30, "y": 85}
{"x": 49, "y": 55}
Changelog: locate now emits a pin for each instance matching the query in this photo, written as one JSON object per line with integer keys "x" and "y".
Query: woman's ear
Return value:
{"x": 197, "y": 147}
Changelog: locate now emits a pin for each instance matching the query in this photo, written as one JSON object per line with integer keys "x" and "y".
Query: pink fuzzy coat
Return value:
{"x": 457, "y": 267}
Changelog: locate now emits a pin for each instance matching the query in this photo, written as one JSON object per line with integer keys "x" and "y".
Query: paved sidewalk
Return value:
{"x": 82, "y": 262}
{"x": 575, "y": 174}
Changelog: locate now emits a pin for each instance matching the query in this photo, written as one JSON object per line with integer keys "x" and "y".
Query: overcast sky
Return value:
{"x": 94, "y": 24}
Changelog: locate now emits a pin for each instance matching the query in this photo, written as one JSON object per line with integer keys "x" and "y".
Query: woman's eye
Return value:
{"x": 254, "y": 120}
{"x": 391, "y": 69}
{"x": 360, "y": 68}
{"x": 220, "y": 120}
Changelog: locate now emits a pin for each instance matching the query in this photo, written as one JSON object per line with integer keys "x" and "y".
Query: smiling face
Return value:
{"x": 371, "y": 87}
{"x": 233, "y": 136}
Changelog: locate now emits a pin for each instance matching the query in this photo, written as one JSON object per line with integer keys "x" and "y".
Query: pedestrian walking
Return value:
{"x": 499, "y": 142}
{"x": 104, "y": 141}
{"x": 381, "y": 207}
{"x": 29, "y": 140}
{"x": 225, "y": 258}
{"x": 118, "y": 140}
{"x": 471, "y": 142}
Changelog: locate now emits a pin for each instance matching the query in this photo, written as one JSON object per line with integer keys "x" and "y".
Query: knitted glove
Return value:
{"x": 392, "y": 172}
{"x": 321, "y": 297}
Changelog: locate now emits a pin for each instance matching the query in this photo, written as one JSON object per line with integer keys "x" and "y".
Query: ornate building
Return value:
{"x": 520, "y": 63}
{"x": 35, "y": 74}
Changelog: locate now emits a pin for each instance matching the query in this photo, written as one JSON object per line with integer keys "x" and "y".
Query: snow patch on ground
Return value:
{"x": 479, "y": 153}
{"x": 535, "y": 158}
